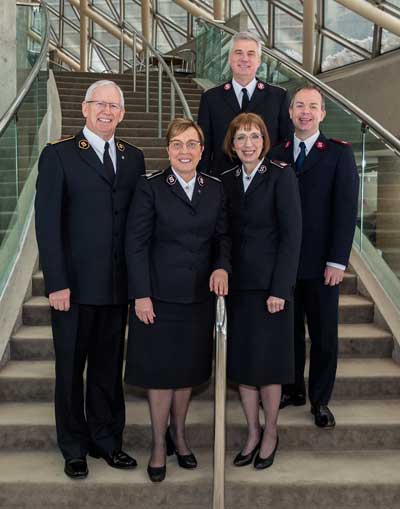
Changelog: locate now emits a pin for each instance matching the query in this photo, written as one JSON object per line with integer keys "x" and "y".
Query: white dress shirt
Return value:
{"x": 98, "y": 143}
{"x": 237, "y": 88}
{"x": 309, "y": 143}
{"x": 188, "y": 187}
{"x": 248, "y": 178}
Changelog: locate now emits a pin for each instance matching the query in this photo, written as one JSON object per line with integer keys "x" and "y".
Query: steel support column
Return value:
{"x": 146, "y": 20}
{"x": 308, "y": 35}
{"x": 83, "y": 35}
{"x": 219, "y": 9}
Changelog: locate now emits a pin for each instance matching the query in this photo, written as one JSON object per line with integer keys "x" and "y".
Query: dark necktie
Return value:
{"x": 108, "y": 164}
{"x": 301, "y": 157}
{"x": 245, "y": 99}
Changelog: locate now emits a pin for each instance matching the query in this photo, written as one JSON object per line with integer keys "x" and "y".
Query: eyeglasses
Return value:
{"x": 241, "y": 139}
{"x": 190, "y": 145}
{"x": 102, "y": 105}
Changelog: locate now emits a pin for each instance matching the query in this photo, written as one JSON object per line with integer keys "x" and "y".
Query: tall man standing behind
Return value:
{"x": 328, "y": 183}
{"x": 84, "y": 187}
{"x": 244, "y": 93}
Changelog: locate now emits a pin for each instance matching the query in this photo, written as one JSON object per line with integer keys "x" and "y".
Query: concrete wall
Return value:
{"x": 374, "y": 86}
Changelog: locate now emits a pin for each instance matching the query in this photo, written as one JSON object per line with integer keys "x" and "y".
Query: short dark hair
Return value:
{"x": 179, "y": 126}
{"x": 246, "y": 120}
{"x": 308, "y": 87}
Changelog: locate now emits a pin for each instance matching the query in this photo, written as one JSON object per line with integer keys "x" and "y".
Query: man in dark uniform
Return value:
{"x": 244, "y": 93}
{"x": 328, "y": 183}
{"x": 84, "y": 188}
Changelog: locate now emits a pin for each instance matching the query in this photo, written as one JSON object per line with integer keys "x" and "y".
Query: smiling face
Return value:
{"x": 307, "y": 113}
{"x": 184, "y": 151}
{"x": 244, "y": 61}
{"x": 248, "y": 145}
{"x": 103, "y": 120}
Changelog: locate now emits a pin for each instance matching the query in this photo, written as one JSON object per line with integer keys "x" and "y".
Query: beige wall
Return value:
{"x": 374, "y": 86}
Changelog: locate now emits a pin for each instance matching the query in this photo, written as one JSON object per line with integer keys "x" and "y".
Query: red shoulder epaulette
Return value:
{"x": 341, "y": 142}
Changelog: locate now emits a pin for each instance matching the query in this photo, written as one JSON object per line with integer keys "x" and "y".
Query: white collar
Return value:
{"x": 95, "y": 141}
{"x": 250, "y": 87}
{"x": 309, "y": 142}
{"x": 247, "y": 179}
{"x": 183, "y": 182}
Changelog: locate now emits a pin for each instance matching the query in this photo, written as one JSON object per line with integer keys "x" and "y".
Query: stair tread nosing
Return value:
{"x": 368, "y": 368}
{"x": 348, "y": 413}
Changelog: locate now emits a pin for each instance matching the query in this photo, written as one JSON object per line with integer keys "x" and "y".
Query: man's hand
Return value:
{"x": 144, "y": 310}
{"x": 333, "y": 276}
{"x": 60, "y": 300}
{"x": 219, "y": 282}
{"x": 275, "y": 304}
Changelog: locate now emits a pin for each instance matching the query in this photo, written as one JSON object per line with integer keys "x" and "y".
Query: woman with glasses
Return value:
{"x": 178, "y": 252}
{"x": 265, "y": 226}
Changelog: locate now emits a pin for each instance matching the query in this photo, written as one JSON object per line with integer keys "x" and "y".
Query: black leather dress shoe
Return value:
{"x": 241, "y": 460}
{"x": 76, "y": 468}
{"x": 118, "y": 459}
{"x": 298, "y": 399}
{"x": 261, "y": 463}
{"x": 323, "y": 417}
{"x": 188, "y": 461}
{"x": 156, "y": 474}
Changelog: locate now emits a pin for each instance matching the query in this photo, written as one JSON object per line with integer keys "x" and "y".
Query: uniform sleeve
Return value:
{"x": 344, "y": 208}
{"x": 139, "y": 230}
{"x": 204, "y": 121}
{"x": 285, "y": 124}
{"x": 288, "y": 211}
{"x": 222, "y": 241}
{"x": 49, "y": 200}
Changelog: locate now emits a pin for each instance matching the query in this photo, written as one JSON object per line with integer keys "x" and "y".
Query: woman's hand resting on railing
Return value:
{"x": 144, "y": 310}
{"x": 275, "y": 304}
{"x": 219, "y": 282}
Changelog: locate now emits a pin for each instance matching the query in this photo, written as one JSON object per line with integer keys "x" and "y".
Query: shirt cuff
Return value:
{"x": 336, "y": 265}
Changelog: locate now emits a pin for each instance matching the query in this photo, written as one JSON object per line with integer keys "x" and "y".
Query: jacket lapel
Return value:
{"x": 315, "y": 155}
{"x": 175, "y": 187}
{"x": 229, "y": 96}
{"x": 258, "y": 178}
{"x": 90, "y": 157}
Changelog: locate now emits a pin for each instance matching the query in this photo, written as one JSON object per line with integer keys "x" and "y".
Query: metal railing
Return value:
{"x": 162, "y": 66}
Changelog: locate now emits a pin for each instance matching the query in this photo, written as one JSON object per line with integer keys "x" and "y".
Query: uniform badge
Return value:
{"x": 120, "y": 146}
{"x": 260, "y": 85}
{"x": 84, "y": 144}
{"x": 287, "y": 144}
{"x": 238, "y": 172}
{"x": 320, "y": 145}
{"x": 262, "y": 169}
{"x": 227, "y": 86}
{"x": 171, "y": 179}
{"x": 200, "y": 180}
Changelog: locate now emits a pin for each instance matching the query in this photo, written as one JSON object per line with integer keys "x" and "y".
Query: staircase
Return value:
{"x": 356, "y": 465}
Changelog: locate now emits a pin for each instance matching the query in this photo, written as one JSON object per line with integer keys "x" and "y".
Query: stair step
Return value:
{"x": 355, "y": 340}
{"x": 367, "y": 480}
{"x": 356, "y": 379}
{"x": 361, "y": 424}
{"x": 352, "y": 309}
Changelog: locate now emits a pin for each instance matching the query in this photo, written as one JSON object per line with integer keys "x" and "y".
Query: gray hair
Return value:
{"x": 103, "y": 83}
{"x": 246, "y": 36}
{"x": 308, "y": 87}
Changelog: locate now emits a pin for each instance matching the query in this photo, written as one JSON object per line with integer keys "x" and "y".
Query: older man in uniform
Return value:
{"x": 84, "y": 187}
{"x": 328, "y": 183}
{"x": 244, "y": 93}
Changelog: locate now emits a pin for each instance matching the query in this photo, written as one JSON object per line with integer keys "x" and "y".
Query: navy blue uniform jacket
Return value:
{"x": 80, "y": 219}
{"x": 219, "y": 106}
{"x": 265, "y": 226}
{"x": 173, "y": 244}
{"x": 328, "y": 185}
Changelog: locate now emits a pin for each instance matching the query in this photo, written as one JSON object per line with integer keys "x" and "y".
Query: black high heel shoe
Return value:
{"x": 157, "y": 474}
{"x": 184, "y": 460}
{"x": 261, "y": 463}
{"x": 241, "y": 460}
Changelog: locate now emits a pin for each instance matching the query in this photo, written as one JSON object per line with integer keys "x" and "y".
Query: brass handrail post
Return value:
{"x": 220, "y": 399}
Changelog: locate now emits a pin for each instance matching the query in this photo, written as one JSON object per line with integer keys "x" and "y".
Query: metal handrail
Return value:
{"x": 8, "y": 116}
{"x": 167, "y": 70}
{"x": 326, "y": 89}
